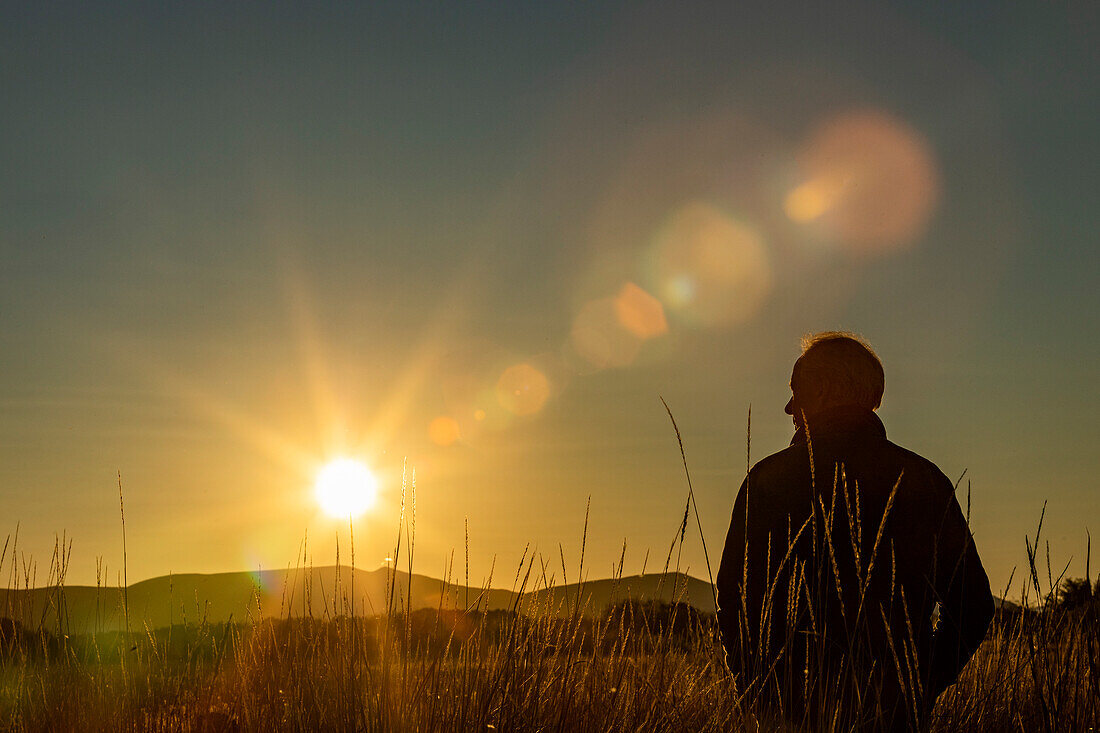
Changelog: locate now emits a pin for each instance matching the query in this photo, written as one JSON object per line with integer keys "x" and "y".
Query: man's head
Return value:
{"x": 836, "y": 369}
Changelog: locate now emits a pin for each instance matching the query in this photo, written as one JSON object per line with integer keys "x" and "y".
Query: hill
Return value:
{"x": 320, "y": 592}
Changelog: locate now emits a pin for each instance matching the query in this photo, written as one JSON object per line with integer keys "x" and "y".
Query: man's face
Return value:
{"x": 803, "y": 401}
{"x": 793, "y": 408}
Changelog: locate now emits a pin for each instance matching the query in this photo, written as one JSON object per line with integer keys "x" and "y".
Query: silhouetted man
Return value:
{"x": 840, "y": 549}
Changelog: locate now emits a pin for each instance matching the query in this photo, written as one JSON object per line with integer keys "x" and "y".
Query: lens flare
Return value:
{"x": 599, "y": 337}
{"x": 639, "y": 312}
{"x": 869, "y": 180}
{"x": 815, "y": 197}
{"x": 345, "y": 487}
{"x": 522, "y": 389}
{"x": 709, "y": 267}
{"x": 444, "y": 430}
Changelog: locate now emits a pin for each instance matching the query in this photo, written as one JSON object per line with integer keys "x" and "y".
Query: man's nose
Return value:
{"x": 789, "y": 409}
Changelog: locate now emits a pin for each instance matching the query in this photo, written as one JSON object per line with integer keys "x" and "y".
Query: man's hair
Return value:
{"x": 842, "y": 368}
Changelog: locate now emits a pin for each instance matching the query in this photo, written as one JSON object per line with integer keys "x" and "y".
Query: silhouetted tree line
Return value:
{"x": 1073, "y": 601}
{"x": 1078, "y": 594}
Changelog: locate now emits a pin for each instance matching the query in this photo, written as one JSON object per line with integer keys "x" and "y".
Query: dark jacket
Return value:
{"x": 839, "y": 550}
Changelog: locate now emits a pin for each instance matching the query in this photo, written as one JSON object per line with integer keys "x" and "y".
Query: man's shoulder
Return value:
{"x": 791, "y": 458}
{"x": 795, "y": 460}
{"x": 922, "y": 466}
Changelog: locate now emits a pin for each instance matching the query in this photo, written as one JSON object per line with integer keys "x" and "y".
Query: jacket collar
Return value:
{"x": 850, "y": 421}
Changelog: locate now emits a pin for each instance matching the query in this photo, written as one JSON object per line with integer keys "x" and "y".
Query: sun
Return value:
{"x": 345, "y": 488}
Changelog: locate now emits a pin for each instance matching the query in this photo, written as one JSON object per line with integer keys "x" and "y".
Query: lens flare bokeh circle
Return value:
{"x": 709, "y": 267}
{"x": 869, "y": 181}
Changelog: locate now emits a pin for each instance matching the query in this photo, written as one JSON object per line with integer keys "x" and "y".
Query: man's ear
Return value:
{"x": 814, "y": 399}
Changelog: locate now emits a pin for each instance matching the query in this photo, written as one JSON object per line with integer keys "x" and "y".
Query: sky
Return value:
{"x": 476, "y": 243}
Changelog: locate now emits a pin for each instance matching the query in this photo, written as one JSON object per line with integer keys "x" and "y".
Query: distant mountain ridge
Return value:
{"x": 321, "y": 592}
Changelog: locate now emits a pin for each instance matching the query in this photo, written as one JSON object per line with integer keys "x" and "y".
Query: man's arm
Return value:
{"x": 966, "y": 604}
{"x": 731, "y": 601}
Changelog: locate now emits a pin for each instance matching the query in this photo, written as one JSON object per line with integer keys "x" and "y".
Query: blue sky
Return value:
{"x": 238, "y": 241}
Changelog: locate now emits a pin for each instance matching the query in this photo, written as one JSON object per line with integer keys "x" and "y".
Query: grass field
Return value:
{"x": 629, "y": 667}
{"x": 550, "y": 662}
